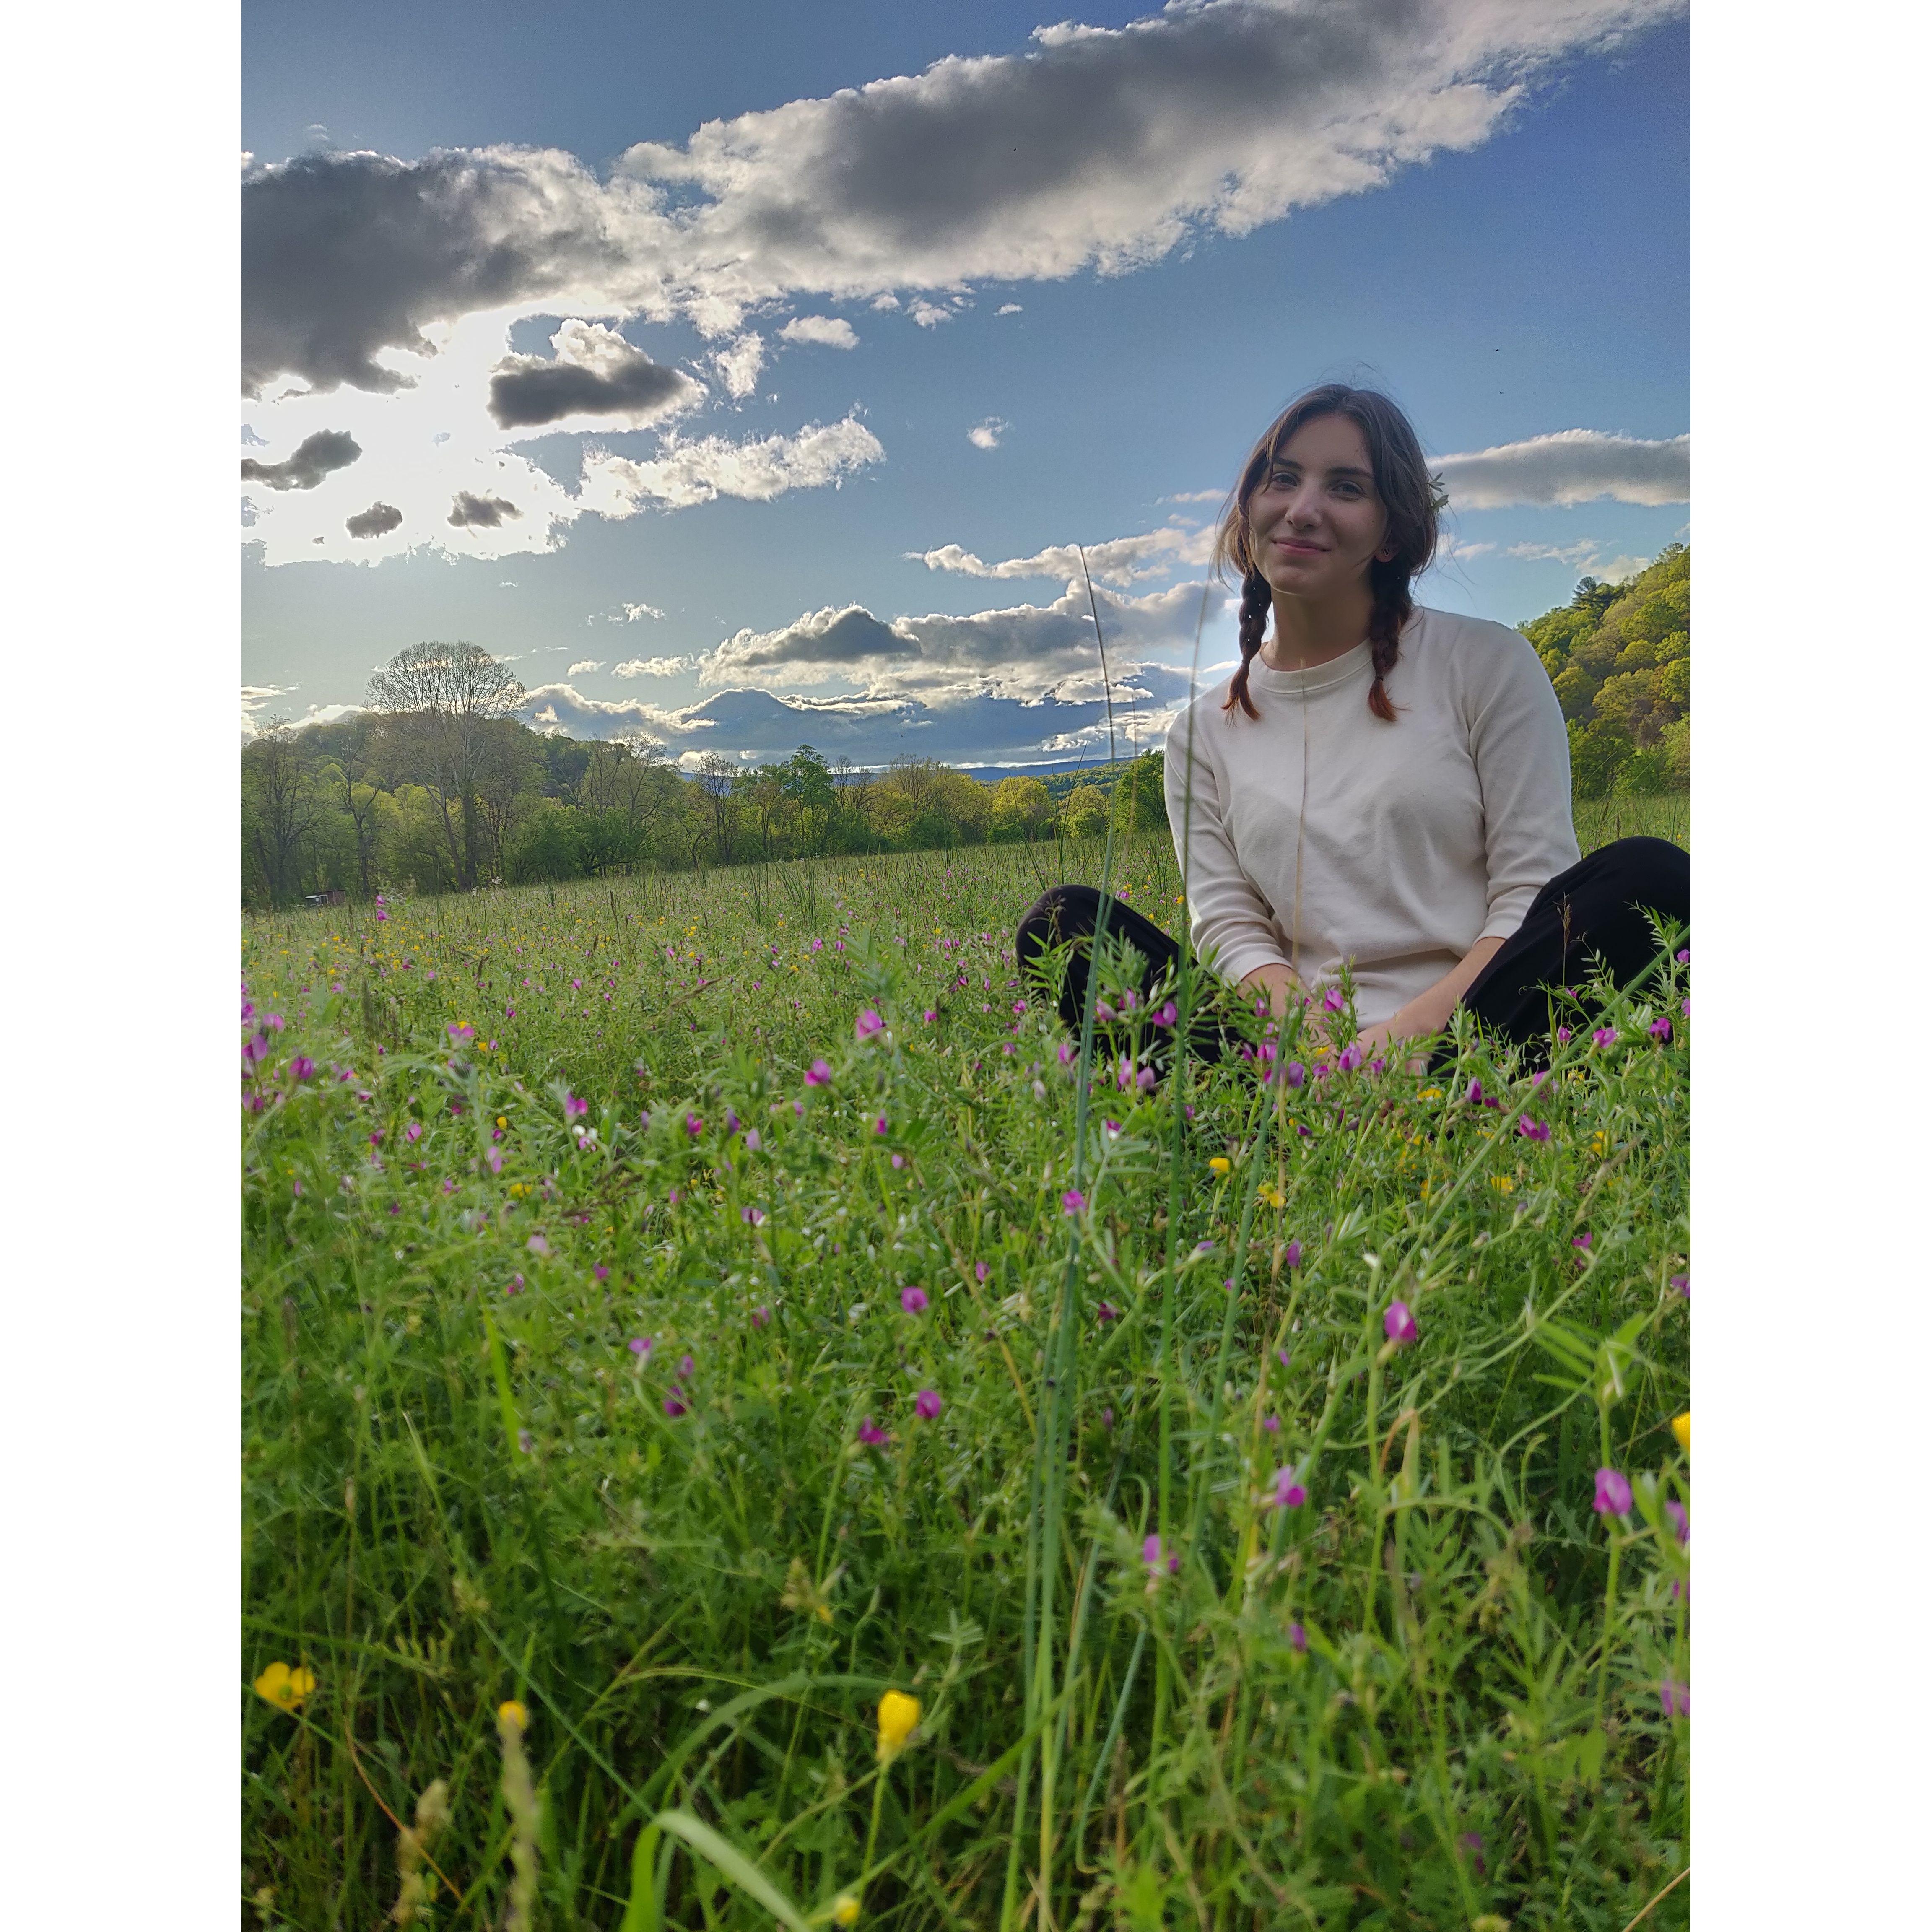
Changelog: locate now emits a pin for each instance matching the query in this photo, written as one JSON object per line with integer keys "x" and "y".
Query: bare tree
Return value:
{"x": 716, "y": 776}
{"x": 354, "y": 744}
{"x": 281, "y": 800}
{"x": 442, "y": 697}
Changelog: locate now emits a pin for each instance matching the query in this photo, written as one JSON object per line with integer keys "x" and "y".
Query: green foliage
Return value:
{"x": 1426, "y": 1693}
{"x": 1619, "y": 656}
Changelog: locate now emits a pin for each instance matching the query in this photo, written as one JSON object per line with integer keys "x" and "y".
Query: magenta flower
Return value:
{"x": 1332, "y": 1001}
{"x": 1151, "y": 1555}
{"x": 872, "y": 1437}
{"x": 880, "y": 1125}
{"x": 460, "y": 1031}
{"x": 1349, "y": 1058}
{"x": 574, "y": 1108}
{"x": 303, "y": 1068}
{"x": 1106, "y": 1418}
{"x": 256, "y": 1047}
{"x": 1272, "y": 1423}
{"x": 930, "y": 1016}
{"x": 1298, "y": 1639}
{"x": 1604, "y": 1036}
{"x": 867, "y": 1024}
{"x": 898, "y": 1160}
{"x": 694, "y": 1125}
{"x": 1294, "y": 1073}
{"x": 1532, "y": 1130}
{"x": 1145, "y": 1079}
{"x": 817, "y": 1074}
{"x": 1680, "y": 1518}
{"x": 686, "y": 1367}
{"x": 1475, "y": 1093}
{"x": 1288, "y": 1492}
{"x": 1066, "y": 1054}
{"x": 1399, "y": 1323}
{"x": 760, "y": 1317}
{"x": 1674, "y": 1697}
{"x": 673, "y": 1406}
{"x": 1613, "y": 1493}
{"x": 516, "y": 1286}
{"x": 1681, "y": 1282}
{"x": 752, "y": 1217}
{"x": 1073, "y": 1201}
{"x": 927, "y": 1404}
{"x": 248, "y": 1009}
{"x": 1291, "y": 1256}
{"x": 1105, "y": 1311}
{"x": 600, "y": 1272}
{"x": 913, "y": 1300}
{"x": 1581, "y": 1241}
{"x": 644, "y": 1121}
{"x": 412, "y": 1133}
{"x": 641, "y": 1345}
{"x": 732, "y": 1123}
{"x": 1563, "y": 1035}
{"x": 1166, "y": 1015}
{"x": 1683, "y": 957}
{"x": 538, "y": 1245}
{"x": 273, "y": 1022}
{"x": 979, "y": 1270}
{"x": 1659, "y": 1029}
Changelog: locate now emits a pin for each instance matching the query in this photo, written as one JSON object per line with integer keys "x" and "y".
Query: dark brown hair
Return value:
{"x": 1409, "y": 494}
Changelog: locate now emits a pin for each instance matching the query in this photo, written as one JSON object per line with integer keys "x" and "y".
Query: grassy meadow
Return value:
{"x": 687, "y": 1318}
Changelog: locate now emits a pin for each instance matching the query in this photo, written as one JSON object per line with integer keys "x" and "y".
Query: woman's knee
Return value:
{"x": 1649, "y": 872}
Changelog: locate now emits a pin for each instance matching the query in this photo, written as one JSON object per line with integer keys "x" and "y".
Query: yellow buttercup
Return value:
{"x": 284, "y": 1687}
{"x": 898, "y": 1715}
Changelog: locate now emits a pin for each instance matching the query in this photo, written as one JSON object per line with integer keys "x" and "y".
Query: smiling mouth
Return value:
{"x": 1295, "y": 543}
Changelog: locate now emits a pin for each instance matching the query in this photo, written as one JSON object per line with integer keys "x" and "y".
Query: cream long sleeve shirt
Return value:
{"x": 1420, "y": 839}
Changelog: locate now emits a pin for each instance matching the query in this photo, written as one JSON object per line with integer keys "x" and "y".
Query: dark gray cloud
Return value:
{"x": 596, "y": 374}
{"x": 377, "y": 520}
{"x": 316, "y": 456}
{"x": 1572, "y": 466}
{"x": 343, "y": 256}
{"x": 470, "y": 512}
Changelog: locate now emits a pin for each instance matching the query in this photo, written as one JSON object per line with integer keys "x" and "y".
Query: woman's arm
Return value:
{"x": 1429, "y": 1012}
{"x": 1232, "y": 925}
{"x": 1278, "y": 981}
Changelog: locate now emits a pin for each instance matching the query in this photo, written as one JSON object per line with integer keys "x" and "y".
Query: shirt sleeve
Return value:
{"x": 1228, "y": 920}
{"x": 1521, "y": 753}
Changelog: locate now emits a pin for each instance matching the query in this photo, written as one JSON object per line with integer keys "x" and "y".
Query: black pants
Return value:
{"x": 1596, "y": 909}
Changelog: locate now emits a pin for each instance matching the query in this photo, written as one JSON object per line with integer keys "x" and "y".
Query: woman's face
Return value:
{"x": 1316, "y": 523}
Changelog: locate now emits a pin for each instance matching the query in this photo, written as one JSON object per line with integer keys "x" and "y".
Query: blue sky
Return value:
{"x": 1113, "y": 254}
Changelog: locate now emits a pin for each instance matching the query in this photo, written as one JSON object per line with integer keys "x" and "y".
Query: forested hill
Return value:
{"x": 437, "y": 788}
{"x": 1619, "y": 655}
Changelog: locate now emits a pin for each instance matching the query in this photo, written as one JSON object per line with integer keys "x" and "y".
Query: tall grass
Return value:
{"x": 580, "y": 1404}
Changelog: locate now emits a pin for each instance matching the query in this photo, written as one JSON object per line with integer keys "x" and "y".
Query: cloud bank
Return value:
{"x": 315, "y": 456}
{"x": 1572, "y": 465}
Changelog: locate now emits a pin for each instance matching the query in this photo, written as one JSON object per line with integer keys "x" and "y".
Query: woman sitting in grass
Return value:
{"x": 1379, "y": 785}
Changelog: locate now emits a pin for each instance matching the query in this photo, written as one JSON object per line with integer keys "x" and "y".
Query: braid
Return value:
{"x": 1257, "y": 600}
{"x": 1393, "y": 607}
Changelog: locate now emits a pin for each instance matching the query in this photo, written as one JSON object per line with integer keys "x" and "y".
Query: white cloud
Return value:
{"x": 1118, "y": 560}
{"x": 685, "y": 473}
{"x": 1196, "y": 497}
{"x": 929, "y": 314}
{"x": 1007, "y": 308}
{"x": 740, "y": 363}
{"x": 986, "y": 435}
{"x": 653, "y": 666}
{"x": 1585, "y": 557}
{"x": 831, "y": 331}
{"x": 1571, "y": 465}
{"x": 583, "y": 665}
{"x": 632, "y": 612}
{"x": 1028, "y": 651}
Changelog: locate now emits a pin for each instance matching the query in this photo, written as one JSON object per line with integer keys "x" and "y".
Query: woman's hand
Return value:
{"x": 1428, "y": 1013}
{"x": 1278, "y": 982}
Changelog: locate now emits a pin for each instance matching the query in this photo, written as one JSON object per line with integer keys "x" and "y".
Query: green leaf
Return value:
{"x": 640, "y": 1914}
{"x": 731, "y": 1865}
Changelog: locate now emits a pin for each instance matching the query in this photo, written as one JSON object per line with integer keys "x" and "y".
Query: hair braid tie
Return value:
{"x": 1257, "y": 600}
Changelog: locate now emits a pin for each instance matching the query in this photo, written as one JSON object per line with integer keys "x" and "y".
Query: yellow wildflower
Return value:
{"x": 898, "y": 1715}
{"x": 285, "y": 1688}
{"x": 1680, "y": 1427}
{"x": 846, "y": 1912}
{"x": 512, "y": 1716}
{"x": 1430, "y": 1093}
{"x": 1273, "y": 1196}
{"x": 1221, "y": 1164}
{"x": 1502, "y": 1183}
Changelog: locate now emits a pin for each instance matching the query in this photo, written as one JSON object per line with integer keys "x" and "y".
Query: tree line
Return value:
{"x": 436, "y": 787}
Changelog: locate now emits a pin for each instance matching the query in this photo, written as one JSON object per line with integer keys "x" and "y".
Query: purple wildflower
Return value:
{"x": 1532, "y": 1130}
{"x": 1581, "y": 1241}
{"x": 880, "y": 1125}
{"x": 686, "y": 1367}
{"x": 412, "y": 1133}
{"x": 538, "y": 1245}
{"x": 1399, "y": 1323}
{"x": 460, "y": 1031}
{"x": 1475, "y": 1093}
{"x": 1105, "y": 1311}
{"x": 1659, "y": 1029}
{"x": 752, "y": 1217}
{"x": 914, "y": 1300}
{"x": 301, "y": 1067}
{"x": 816, "y": 1074}
{"x": 1073, "y": 1201}
{"x": 1288, "y": 1492}
{"x": 752, "y": 1143}
{"x": 1291, "y": 1256}
{"x": 1604, "y": 1036}
{"x": 1298, "y": 1639}
{"x": 673, "y": 1406}
{"x": 1272, "y": 1423}
{"x": 927, "y": 1404}
{"x": 1294, "y": 1073}
{"x": 694, "y": 1125}
{"x": 761, "y": 1317}
{"x": 872, "y": 1437}
{"x": 1166, "y": 1015}
{"x": 641, "y": 1345}
{"x": 1613, "y": 1493}
{"x": 574, "y": 1108}
{"x": 1674, "y": 1697}
{"x": 1681, "y": 1282}
{"x": 1680, "y": 1517}
{"x": 979, "y": 1270}
{"x": 1684, "y": 957}
{"x": 516, "y": 1286}
{"x": 898, "y": 1160}
{"x": 1349, "y": 1058}
{"x": 493, "y": 1160}
{"x": 1151, "y": 1555}
{"x": 868, "y": 1024}
{"x": 1563, "y": 1035}
{"x": 1332, "y": 1001}
{"x": 1471, "y": 1842}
